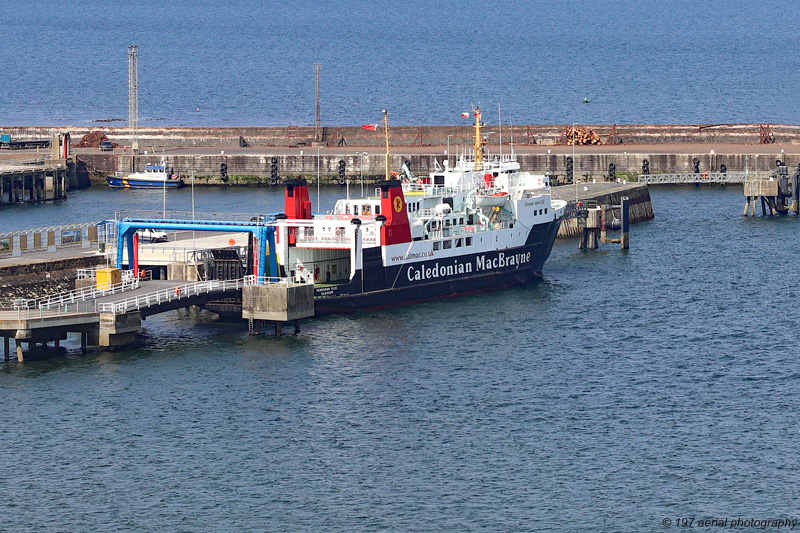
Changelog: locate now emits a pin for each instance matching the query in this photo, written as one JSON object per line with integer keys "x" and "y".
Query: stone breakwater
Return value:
{"x": 38, "y": 279}
{"x": 422, "y": 136}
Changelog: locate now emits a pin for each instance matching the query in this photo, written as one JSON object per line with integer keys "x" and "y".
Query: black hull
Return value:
{"x": 377, "y": 286}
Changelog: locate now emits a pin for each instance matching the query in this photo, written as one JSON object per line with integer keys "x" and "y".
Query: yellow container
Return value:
{"x": 106, "y": 277}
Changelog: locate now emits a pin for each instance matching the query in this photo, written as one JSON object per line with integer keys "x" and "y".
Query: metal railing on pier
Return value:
{"x": 694, "y": 177}
{"x": 62, "y": 300}
{"x": 170, "y": 294}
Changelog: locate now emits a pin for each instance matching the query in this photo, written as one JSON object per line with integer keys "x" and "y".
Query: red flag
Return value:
{"x": 465, "y": 115}
{"x": 370, "y": 127}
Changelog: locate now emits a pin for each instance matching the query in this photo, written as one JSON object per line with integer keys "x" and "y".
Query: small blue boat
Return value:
{"x": 153, "y": 177}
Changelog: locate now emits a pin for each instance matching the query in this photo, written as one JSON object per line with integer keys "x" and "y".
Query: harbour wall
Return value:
{"x": 255, "y": 169}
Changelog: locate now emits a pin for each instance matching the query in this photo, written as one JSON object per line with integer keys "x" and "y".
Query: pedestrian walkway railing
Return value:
{"x": 170, "y": 294}
{"x": 62, "y": 300}
{"x": 694, "y": 177}
{"x": 74, "y": 309}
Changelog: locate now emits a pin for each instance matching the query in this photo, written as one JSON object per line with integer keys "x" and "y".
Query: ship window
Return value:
{"x": 545, "y": 210}
{"x": 458, "y": 243}
{"x": 461, "y": 221}
{"x": 365, "y": 210}
{"x": 468, "y": 240}
{"x": 347, "y": 209}
{"x": 447, "y": 244}
{"x": 438, "y": 179}
{"x": 377, "y": 210}
{"x": 435, "y": 245}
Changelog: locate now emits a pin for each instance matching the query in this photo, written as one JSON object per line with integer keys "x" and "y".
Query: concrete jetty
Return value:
{"x": 640, "y": 206}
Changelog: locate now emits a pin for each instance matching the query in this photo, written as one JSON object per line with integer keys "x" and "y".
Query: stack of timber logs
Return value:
{"x": 582, "y": 135}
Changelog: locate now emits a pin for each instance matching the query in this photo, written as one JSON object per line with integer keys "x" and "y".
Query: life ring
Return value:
{"x": 177, "y": 291}
{"x": 231, "y": 242}
{"x": 704, "y": 175}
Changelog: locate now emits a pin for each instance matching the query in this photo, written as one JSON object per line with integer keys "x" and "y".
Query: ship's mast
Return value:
{"x": 386, "y": 134}
{"x": 478, "y": 144}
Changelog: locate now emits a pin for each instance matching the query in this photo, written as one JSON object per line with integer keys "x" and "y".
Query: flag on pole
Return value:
{"x": 465, "y": 115}
{"x": 370, "y": 127}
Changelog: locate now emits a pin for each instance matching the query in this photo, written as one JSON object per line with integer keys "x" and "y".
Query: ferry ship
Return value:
{"x": 153, "y": 177}
{"x": 478, "y": 225}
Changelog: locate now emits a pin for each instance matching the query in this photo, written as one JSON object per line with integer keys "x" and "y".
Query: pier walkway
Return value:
{"x": 113, "y": 317}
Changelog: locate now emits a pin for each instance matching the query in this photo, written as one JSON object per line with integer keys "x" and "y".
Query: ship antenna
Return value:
{"x": 500, "y": 125}
{"x": 386, "y": 132}
{"x": 511, "y": 125}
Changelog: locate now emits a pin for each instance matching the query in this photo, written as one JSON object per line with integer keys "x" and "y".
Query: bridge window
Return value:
{"x": 435, "y": 245}
{"x": 447, "y": 244}
{"x": 377, "y": 210}
{"x": 468, "y": 240}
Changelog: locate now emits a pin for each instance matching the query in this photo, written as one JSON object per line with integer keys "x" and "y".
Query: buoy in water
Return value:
{"x": 585, "y": 100}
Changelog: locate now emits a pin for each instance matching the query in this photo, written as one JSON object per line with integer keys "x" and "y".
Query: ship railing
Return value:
{"x": 169, "y": 294}
{"x": 182, "y": 216}
{"x": 308, "y": 235}
{"x": 270, "y": 280}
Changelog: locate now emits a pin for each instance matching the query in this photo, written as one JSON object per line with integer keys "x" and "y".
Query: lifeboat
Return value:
{"x": 491, "y": 199}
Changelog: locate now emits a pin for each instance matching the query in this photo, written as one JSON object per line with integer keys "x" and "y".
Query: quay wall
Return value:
{"x": 255, "y": 169}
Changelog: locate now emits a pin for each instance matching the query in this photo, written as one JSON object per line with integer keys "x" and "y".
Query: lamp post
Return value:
{"x": 574, "y": 166}
{"x": 317, "y": 179}
{"x": 164, "y": 212}
{"x": 194, "y": 244}
{"x": 448, "y": 150}
{"x": 362, "y": 154}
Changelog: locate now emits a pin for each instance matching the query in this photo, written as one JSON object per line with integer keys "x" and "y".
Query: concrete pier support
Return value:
{"x": 278, "y": 302}
{"x": 6, "y": 348}
{"x": 591, "y": 229}
{"x": 117, "y": 330}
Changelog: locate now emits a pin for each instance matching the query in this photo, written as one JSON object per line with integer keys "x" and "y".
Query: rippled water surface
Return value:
{"x": 237, "y": 63}
{"x": 623, "y": 389}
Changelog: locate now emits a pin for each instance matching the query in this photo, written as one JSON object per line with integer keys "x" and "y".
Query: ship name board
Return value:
{"x": 457, "y": 267}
